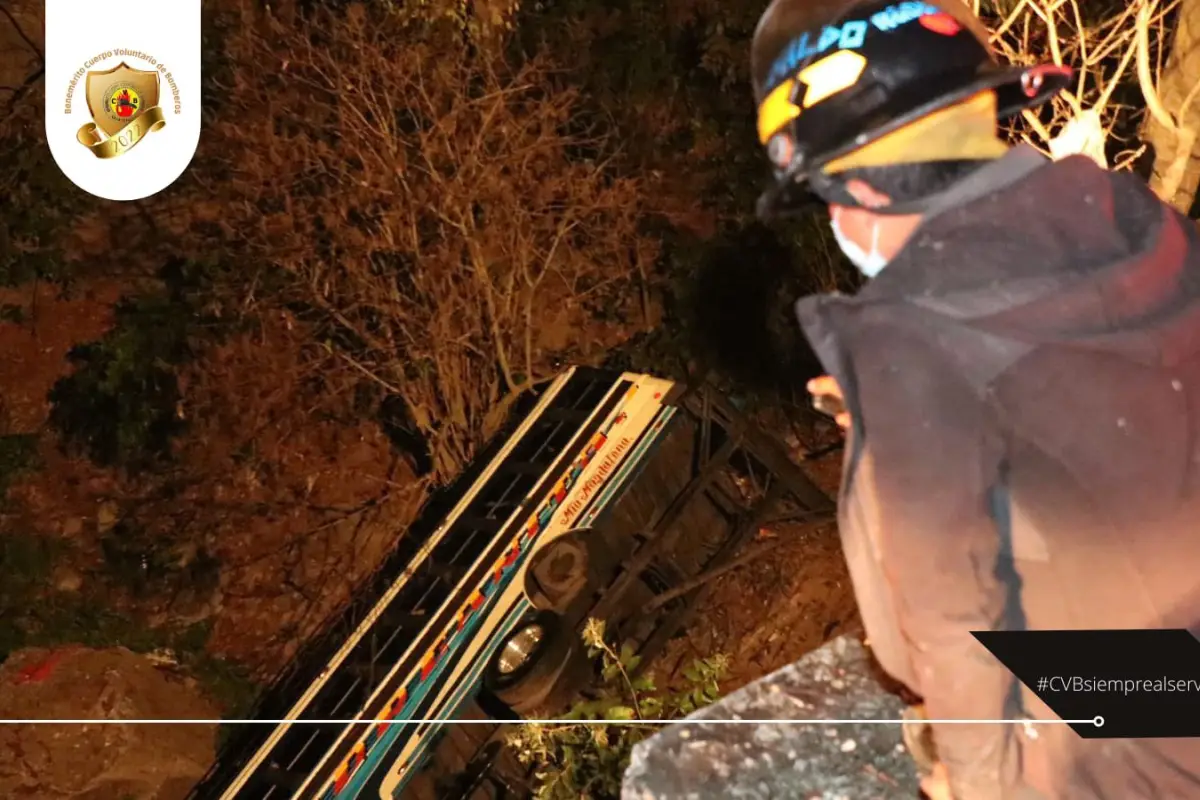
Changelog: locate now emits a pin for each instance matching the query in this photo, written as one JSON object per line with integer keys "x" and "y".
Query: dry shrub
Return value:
{"x": 1107, "y": 51}
{"x": 441, "y": 218}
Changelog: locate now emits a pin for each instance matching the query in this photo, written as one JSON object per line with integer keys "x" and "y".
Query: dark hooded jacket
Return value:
{"x": 1024, "y": 382}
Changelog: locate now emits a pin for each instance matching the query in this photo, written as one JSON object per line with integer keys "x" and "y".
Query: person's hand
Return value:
{"x": 826, "y": 387}
{"x": 936, "y": 785}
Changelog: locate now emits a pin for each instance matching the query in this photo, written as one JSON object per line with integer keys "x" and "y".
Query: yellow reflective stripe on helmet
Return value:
{"x": 964, "y": 131}
{"x": 776, "y": 110}
{"x": 834, "y": 73}
{"x": 822, "y": 79}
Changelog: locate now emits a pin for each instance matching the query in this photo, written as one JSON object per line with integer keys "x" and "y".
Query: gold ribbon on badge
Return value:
{"x": 123, "y": 140}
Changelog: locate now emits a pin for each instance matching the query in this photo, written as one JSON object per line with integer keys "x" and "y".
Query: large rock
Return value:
{"x": 107, "y": 761}
{"x": 763, "y": 759}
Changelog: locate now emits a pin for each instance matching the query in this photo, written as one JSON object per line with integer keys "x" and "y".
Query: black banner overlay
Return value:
{"x": 1136, "y": 684}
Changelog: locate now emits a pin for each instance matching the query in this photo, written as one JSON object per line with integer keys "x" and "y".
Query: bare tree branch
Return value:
{"x": 419, "y": 205}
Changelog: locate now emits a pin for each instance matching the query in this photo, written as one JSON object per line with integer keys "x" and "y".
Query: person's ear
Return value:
{"x": 866, "y": 195}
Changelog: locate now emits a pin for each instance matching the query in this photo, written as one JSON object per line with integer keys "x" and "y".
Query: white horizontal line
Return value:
{"x": 548, "y": 722}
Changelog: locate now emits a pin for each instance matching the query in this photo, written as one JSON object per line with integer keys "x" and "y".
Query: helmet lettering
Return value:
{"x": 849, "y": 36}
{"x": 899, "y": 14}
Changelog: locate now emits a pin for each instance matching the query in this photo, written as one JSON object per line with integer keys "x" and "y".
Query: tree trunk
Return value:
{"x": 1176, "y": 174}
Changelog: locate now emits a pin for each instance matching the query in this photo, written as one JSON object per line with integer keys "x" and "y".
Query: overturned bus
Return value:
{"x": 611, "y": 490}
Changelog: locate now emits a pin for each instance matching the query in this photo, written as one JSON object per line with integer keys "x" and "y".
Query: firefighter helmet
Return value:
{"x": 833, "y": 76}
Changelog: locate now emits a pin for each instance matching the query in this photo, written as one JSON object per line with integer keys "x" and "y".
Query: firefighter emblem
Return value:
{"x": 123, "y": 102}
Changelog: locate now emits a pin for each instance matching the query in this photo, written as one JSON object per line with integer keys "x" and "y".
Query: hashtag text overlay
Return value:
{"x": 1078, "y": 683}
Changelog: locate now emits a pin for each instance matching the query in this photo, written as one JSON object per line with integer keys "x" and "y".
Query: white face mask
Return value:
{"x": 869, "y": 264}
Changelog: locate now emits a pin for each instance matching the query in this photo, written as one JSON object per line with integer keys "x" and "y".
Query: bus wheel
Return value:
{"x": 528, "y": 665}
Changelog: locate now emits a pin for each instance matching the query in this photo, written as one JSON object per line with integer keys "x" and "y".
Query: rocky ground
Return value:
{"x": 784, "y": 604}
{"x": 774, "y": 610}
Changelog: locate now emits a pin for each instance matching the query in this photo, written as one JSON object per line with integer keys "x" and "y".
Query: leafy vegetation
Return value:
{"x": 38, "y": 205}
{"x": 120, "y": 405}
{"x": 32, "y": 614}
{"x": 586, "y": 759}
{"x": 18, "y": 455}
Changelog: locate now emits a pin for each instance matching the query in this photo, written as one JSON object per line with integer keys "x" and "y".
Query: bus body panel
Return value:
{"x": 502, "y": 591}
{"x": 442, "y": 665}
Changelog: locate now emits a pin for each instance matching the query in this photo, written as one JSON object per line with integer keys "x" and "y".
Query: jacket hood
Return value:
{"x": 1058, "y": 252}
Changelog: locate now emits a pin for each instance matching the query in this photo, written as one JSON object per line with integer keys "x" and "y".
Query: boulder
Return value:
{"x": 766, "y": 757}
{"x": 80, "y": 761}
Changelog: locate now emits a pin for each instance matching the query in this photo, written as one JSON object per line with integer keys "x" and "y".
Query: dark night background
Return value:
{"x": 219, "y": 404}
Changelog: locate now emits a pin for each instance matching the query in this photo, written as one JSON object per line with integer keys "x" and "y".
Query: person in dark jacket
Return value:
{"x": 1020, "y": 376}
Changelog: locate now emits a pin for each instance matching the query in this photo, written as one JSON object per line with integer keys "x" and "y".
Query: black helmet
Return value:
{"x": 831, "y": 76}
